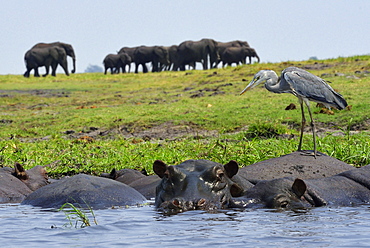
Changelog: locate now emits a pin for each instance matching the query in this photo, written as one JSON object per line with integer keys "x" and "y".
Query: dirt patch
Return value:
{"x": 171, "y": 131}
{"x": 164, "y": 131}
{"x": 39, "y": 92}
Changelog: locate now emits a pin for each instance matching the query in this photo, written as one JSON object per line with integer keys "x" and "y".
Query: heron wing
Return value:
{"x": 307, "y": 85}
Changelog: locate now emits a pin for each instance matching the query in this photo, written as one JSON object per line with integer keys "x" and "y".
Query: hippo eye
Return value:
{"x": 284, "y": 204}
{"x": 220, "y": 174}
{"x": 281, "y": 201}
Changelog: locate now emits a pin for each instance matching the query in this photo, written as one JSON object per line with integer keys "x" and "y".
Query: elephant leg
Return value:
{"x": 145, "y": 68}
{"x": 155, "y": 67}
{"x": 47, "y": 71}
{"x": 194, "y": 65}
{"x": 36, "y": 69}
{"x": 54, "y": 69}
{"x": 64, "y": 65}
{"x": 27, "y": 73}
{"x": 205, "y": 65}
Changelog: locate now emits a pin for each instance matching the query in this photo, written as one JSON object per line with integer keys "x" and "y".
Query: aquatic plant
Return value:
{"x": 76, "y": 215}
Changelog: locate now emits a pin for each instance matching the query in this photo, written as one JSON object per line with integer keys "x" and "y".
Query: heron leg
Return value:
{"x": 302, "y": 126}
{"x": 313, "y": 130}
{"x": 306, "y": 101}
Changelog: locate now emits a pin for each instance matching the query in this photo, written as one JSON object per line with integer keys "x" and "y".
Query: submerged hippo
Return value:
{"x": 345, "y": 189}
{"x": 294, "y": 165}
{"x": 195, "y": 184}
{"x": 16, "y": 183}
{"x": 142, "y": 183}
{"x": 86, "y": 191}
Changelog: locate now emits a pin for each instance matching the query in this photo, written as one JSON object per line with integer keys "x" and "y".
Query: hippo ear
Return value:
{"x": 20, "y": 172}
{"x": 299, "y": 187}
{"x": 113, "y": 174}
{"x": 231, "y": 168}
{"x": 159, "y": 168}
{"x": 236, "y": 190}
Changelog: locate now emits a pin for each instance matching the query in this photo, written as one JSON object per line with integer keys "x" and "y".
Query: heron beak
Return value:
{"x": 249, "y": 86}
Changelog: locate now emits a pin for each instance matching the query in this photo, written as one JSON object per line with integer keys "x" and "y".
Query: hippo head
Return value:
{"x": 281, "y": 193}
{"x": 195, "y": 184}
{"x": 34, "y": 178}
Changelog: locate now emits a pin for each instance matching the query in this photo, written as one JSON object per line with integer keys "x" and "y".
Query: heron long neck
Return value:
{"x": 272, "y": 84}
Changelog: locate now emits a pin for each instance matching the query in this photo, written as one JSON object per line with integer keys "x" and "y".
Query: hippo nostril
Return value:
{"x": 176, "y": 202}
{"x": 201, "y": 202}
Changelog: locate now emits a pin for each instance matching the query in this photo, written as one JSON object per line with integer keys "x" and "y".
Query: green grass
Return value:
{"x": 77, "y": 215}
{"x": 32, "y": 126}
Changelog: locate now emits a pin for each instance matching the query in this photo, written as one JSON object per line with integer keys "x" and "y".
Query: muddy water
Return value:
{"x": 25, "y": 226}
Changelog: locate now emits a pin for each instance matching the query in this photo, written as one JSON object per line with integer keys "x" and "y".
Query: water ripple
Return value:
{"x": 146, "y": 227}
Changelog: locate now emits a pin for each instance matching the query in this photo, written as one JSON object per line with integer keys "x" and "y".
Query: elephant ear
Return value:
{"x": 61, "y": 53}
{"x": 158, "y": 51}
{"x": 54, "y": 52}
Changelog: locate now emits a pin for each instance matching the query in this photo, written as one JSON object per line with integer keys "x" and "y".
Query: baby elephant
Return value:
{"x": 115, "y": 62}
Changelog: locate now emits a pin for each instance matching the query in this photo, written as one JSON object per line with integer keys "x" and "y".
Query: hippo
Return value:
{"x": 125, "y": 176}
{"x": 86, "y": 191}
{"x": 348, "y": 188}
{"x": 294, "y": 165}
{"x": 138, "y": 180}
{"x": 16, "y": 183}
{"x": 195, "y": 184}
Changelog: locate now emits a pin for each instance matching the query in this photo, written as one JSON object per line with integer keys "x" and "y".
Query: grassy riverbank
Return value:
{"x": 92, "y": 122}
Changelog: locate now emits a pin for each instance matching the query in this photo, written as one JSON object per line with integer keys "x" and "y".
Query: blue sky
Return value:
{"x": 278, "y": 30}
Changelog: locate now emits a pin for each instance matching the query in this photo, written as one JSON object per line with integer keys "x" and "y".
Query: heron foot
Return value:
{"x": 310, "y": 153}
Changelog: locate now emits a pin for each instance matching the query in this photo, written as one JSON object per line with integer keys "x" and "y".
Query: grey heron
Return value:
{"x": 305, "y": 86}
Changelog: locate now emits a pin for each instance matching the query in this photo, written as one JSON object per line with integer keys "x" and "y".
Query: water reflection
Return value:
{"x": 146, "y": 227}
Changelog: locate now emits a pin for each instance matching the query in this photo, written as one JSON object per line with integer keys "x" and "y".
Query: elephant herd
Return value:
{"x": 208, "y": 52}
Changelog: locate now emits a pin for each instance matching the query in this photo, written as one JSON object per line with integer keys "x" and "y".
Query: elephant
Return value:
{"x": 154, "y": 54}
{"x": 223, "y": 45}
{"x": 190, "y": 52}
{"x": 67, "y": 48}
{"x": 115, "y": 62}
{"x": 172, "y": 56}
{"x": 238, "y": 55}
{"x": 130, "y": 51}
{"x": 46, "y": 56}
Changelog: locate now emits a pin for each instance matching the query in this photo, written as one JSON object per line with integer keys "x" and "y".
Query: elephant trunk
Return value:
{"x": 258, "y": 58}
{"x": 74, "y": 65}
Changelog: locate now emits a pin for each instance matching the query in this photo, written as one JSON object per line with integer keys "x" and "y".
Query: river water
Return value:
{"x": 26, "y": 226}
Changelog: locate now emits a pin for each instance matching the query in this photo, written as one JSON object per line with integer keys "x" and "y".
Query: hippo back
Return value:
{"x": 12, "y": 189}
{"x": 85, "y": 191}
{"x": 294, "y": 165}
